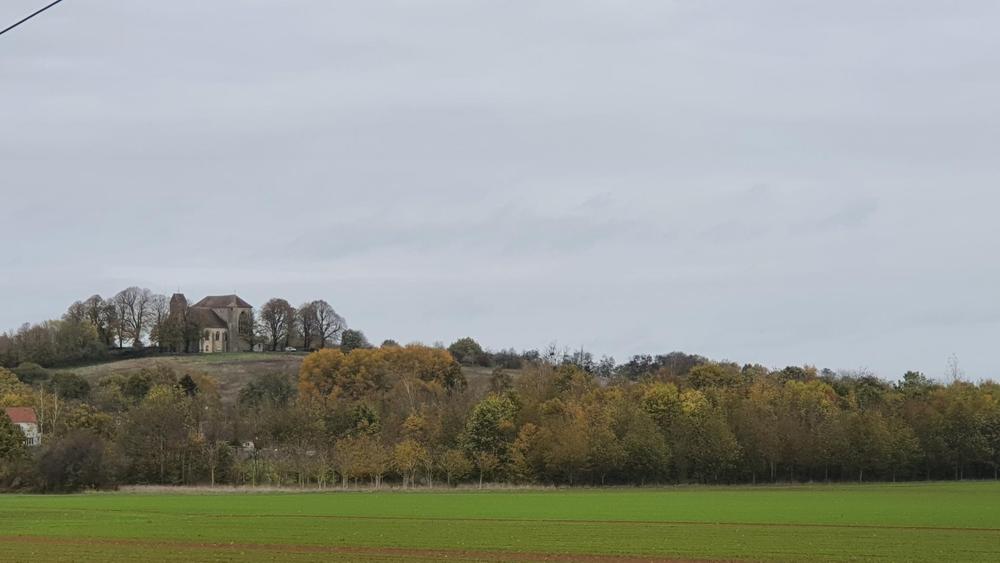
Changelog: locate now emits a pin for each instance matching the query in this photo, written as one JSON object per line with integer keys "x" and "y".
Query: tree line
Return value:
{"x": 137, "y": 321}
{"x": 411, "y": 416}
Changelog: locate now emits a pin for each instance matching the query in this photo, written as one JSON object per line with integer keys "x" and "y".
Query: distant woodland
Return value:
{"x": 411, "y": 416}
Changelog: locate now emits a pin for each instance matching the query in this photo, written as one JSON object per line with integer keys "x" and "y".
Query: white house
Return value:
{"x": 25, "y": 419}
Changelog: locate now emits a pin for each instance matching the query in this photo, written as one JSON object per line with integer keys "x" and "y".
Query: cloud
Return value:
{"x": 772, "y": 183}
{"x": 853, "y": 215}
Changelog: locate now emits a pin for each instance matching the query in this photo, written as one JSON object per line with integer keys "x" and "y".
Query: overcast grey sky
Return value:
{"x": 774, "y": 182}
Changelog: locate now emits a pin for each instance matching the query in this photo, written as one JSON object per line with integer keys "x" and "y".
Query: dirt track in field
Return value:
{"x": 393, "y": 552}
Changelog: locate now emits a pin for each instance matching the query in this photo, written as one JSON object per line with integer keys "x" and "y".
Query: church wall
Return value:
{"x": 227, "y": 339}
{"x": 235, "y": 343}
{"x": 215, "y": 342}
{"x": 238, "y": 342}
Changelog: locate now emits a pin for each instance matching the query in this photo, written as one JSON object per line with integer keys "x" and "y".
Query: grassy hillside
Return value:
{"x": 911, "y": 522}
{"x": 231, "y": 371}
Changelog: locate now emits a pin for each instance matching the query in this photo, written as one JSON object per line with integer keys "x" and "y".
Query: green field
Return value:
{"x": 918, "y": 522}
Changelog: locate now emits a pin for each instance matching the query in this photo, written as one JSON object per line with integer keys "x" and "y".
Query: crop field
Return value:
{"x": 906, "y": 522}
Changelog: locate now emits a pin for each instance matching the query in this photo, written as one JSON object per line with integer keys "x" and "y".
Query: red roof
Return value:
{"x": 21, "y": 415}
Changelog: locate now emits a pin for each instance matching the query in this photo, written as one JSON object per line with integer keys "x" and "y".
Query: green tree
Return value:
{"x": 704, "y": 446}
{"x": 991, "y": 433}
{"x": 468, "y": 352}
{"x": 12, "y": 446}
{"x": 566, "y": 446}
{"x": 662, "y": 401}
{"x": 76, "y": 461}
{"x": 157, "y": 436}
{"x": 31, "y": 373}
{"x": 352, "y": 339}
{"x": 490, "y": 426}
{"x": 714, "y": 375}
{"x": 267, "y": 389}
{"x": 70, "y": 386}
{"x": 86, "y": 417}
{"x": 869, "y": 442}
{"x": 755, "y": 420}
{"x": 915, "y": 384}
{"x": 456, "y": 465}
{"x": 646, "y": 453}
{"x": 188, "y": 385}
{"x": 13, "y": 393}
{"x": 606, "y": 449}
{"x": 904, "y": 447}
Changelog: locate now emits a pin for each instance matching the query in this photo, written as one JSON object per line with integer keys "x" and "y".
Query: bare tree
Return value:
{"x": 119, "y": 326}
{"x": 102, "y": 315}
{"x": 307, "y": 321}
{"x": 249, "y": 329}
{"x": 329, "y": 325}
{"x": 135, "y": 314}
{"x": 76, "y": 313}
{"x": 159, "y": 307}
{"x": 276, "y": 319}
{"x": 955, "y": 371}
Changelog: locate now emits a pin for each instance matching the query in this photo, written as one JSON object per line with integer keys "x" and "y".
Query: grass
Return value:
{"x": 191, "y": 361}
{"x": 918, "y": 522}
{"x": 231, "y": 371}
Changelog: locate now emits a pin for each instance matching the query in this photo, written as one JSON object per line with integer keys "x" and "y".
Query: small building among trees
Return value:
{"x": 25, "y": 419}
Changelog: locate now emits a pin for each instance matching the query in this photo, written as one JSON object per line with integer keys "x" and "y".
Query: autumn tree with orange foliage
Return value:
{"x": 330, "y": 374}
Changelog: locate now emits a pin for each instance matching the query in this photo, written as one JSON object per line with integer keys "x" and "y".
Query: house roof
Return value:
{"x": 21, "y": 415}
{"x": 222, "y": 302}
{"x": 206, "y": 318}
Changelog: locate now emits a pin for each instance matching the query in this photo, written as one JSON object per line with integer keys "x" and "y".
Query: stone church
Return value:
{"x": 217, "y": 323}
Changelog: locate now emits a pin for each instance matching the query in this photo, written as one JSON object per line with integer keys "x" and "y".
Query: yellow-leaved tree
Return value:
{"x": 330, "y": 374}
{"x": 13, "y": 393}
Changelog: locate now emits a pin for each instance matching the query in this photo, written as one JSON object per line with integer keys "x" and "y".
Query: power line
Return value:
{"x": 29, "y": 17}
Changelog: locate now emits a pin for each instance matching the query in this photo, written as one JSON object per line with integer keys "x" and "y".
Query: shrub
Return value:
{"x": 468, "y": 352}
{"x": 74, "y": 462}
{"x": 70, "y": 386}
{"x": 31, "y": 373}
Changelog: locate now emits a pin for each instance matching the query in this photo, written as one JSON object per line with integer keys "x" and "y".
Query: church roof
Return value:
{"x": 206, "y": 318}
{"x": 222, "y": 302}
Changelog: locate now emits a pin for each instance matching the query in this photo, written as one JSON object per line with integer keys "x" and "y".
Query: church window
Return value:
{"x": 244, "y": 323}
